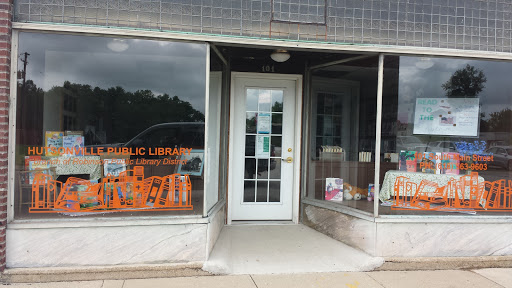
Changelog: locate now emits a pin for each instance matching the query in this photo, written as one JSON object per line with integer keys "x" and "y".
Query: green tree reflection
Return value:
{"x": 117, "y": 114}
{"x": 29, "y": 119}
{"x": 499, "y": 121}
{"x": 466, "y": 82}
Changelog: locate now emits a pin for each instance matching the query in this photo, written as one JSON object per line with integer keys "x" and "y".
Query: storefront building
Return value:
{"x": 133, "y": 131}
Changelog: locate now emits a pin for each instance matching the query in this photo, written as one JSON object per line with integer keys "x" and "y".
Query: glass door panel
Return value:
{"x": 264, "y": 125}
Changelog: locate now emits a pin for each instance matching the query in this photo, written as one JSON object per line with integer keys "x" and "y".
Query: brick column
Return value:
{"x": 5, "y": 68}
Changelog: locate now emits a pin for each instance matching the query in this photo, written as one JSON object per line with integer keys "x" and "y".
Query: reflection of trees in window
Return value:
{"x": 498, "y": 121}
{"x": 465, "y": 82}
{"x": 277, "y": 107}
{"x": 250, "y": 124}
{"x": 114, "y": 112}
{"x": 29, "y": 118}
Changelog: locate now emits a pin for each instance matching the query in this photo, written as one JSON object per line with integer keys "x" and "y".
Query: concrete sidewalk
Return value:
{"x": 482, "y": 278}
{"x": 283, "y": 249}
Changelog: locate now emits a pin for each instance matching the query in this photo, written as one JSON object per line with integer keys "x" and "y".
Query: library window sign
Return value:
{"x": 447, "y": 182}
{"x": 122, "y": 185}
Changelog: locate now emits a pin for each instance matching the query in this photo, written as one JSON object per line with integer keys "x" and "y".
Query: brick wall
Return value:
{"x": 5, "y": 61}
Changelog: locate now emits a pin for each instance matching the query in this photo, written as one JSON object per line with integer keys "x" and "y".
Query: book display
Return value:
{"x": 330, "y": 158}
{"x": 334, "y": 189}
{"x": 407, "y": 161}
{"x": 450, "y": 163}
{"x": 73, "y": 143}
{"x": 431, "y": 163}
{"x": 391, "y": 157}
{"x": 71, "y": 177}
{"x": 332, "y": 153}
{"x": 371, "y": 192}
{"x": 53, "y": 139}
{"x": 365, "y": 156}
{"x": 35, "y": 164}
{"x": 29, "y": 159}
{"x": 113, "y": 167}
{"x": 334, "y": 169}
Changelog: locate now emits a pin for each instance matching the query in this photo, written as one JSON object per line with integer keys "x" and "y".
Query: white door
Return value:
{"x": 263, "y": 147}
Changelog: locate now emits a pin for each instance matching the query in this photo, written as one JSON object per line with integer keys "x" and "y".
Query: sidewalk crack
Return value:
{"x": 382, "y": 285}
{"x": 485, "y": 277}
{"x": 253, "y": 281}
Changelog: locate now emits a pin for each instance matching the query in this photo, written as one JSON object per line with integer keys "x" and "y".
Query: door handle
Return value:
{"x": 288, "y": 160}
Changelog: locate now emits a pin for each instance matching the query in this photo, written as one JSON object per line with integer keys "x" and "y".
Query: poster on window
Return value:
{"x": 262, "y": 146}
{"x": 264, "y": 123}
{"x": 114, "y": 167}
{"x": 447, "y": 116}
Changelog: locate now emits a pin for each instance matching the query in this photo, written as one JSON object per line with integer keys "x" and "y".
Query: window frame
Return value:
{"x": 377, "y": 217}
{"x": 91, "y": 221}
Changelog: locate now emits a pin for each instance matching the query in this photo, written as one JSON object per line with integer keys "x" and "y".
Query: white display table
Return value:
{"x": 390, "y": 178}
{"x": 76, "y": 165}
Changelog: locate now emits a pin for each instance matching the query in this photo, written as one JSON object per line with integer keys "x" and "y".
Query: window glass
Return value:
{"x": 216, "y": 161}
{"x": 342, "y": 134}
{"x": 459, "y": 114}
{"x": 107, "y": 125}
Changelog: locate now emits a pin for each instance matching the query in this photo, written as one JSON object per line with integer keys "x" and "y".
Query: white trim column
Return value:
{"x": 377, "y": 136}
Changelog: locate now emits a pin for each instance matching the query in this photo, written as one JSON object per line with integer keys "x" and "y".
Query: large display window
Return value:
{"x": 446, "y": 137}
{"x": 341, "y": 161}
{"x": 109, "y": 126}
{"x": 215, "y": 181}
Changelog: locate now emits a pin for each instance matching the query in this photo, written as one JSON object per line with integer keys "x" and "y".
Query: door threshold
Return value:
{"x": 260, "y": 222}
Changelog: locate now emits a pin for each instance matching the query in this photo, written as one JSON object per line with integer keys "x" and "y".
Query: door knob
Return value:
{"x": 288, "y": 160}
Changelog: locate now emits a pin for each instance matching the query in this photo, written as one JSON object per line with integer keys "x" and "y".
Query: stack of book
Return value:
{"x": 332, "y": 153}
{"x": 365, "y": 156}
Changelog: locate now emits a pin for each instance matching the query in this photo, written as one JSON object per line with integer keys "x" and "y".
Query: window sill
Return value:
{"x": 448, "y": 219}
{"x": 451, "y": 219}
{"x": 339, "y": 208}
{"x": 105, "y": 222}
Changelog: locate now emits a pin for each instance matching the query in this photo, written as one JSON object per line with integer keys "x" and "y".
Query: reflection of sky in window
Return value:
{"x": 415, "y": 83}
{"x": 264, "y": 100}
{"x": 264, "y": 96}
{"x": 172, "y": 68}
{"x": 277, "y": 96}
{"x": 252, "y": 100}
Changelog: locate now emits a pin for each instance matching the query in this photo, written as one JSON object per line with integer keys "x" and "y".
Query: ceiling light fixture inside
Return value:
{"x": 280, "y": 55}
{"x": 424, "y": 63}
{"x": 118, "y": 45}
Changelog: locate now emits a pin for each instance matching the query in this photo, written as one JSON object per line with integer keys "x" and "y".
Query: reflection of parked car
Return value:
{"x": 167, "y": 135}
{"x": 502, "y": 156}
{"x": 409, "y": 143}
{"x": 173, "y": 135}
{"x": 441, "y": 146}
{"x": 493, "y": 143}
